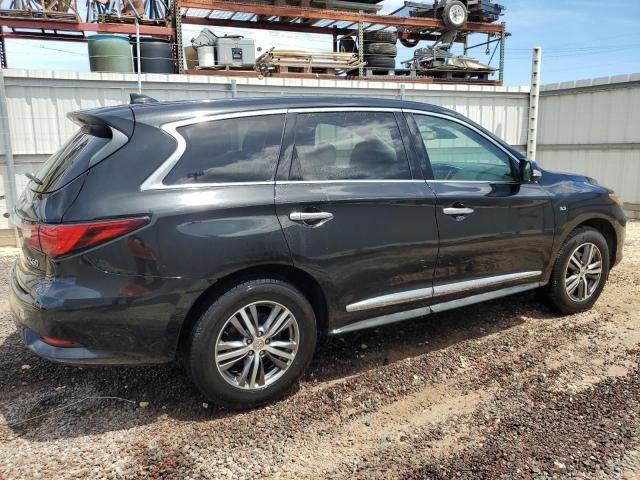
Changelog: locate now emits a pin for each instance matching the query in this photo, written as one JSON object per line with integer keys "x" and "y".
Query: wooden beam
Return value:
{"x": 290, "y": 27}
{"x": 324, "y": 14}
{"x": 34, "y": 24}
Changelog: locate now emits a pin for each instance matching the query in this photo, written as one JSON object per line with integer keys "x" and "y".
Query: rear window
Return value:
{"x": 72, "y": 159}
{"x": 228, "y": 151}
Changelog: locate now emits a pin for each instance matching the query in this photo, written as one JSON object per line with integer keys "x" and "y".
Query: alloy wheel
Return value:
{"x": 583, "y": 272}
{"x": 257, "y": 345}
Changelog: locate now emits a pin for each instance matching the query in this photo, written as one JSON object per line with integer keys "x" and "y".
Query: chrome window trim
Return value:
{"x": 291, "y": 182}
{"x": 438, "y": 290}
{"x": 193, "y": 186}
{"x": 439, "y": 307}
{"x": 471, "y": 127}
{"x": 154, "y": 181}
{"x": 344, "y": 109}
{"x": 492, "y": 182}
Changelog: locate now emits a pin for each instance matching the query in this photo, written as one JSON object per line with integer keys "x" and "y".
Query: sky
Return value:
{"x": 579, "y": 39}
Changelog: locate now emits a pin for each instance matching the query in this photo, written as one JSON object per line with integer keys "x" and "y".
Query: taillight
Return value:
{"x": 59, "y": 342}
{"x": 57, "y": 239}
{"x": 30, "y": 235}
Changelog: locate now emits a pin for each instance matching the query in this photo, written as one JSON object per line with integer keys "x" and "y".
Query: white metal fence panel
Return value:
{"x": 38, "y": 101}
{"x": 589, "y": 126}
{"x": 593, "y": 127}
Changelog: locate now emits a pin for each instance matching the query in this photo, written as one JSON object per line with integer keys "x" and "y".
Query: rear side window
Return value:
{"x": 72, "y": 159}
{"x": 348, "y": 146}
{"x": 230, "y": 150}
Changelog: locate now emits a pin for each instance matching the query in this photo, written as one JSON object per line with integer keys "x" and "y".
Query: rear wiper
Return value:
{"x": 33, "y": 178}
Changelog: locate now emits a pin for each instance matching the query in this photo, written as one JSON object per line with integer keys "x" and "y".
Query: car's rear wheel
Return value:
{"x": 580, "y": 271}
{"x": 252, "y": 344}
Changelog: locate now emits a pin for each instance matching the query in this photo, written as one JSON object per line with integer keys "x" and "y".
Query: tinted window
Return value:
{"x": 459, "y": 153}
{"x": 70, "y": 160}
{"x": 232, "y": 150}
{"x": 348, "y": 146}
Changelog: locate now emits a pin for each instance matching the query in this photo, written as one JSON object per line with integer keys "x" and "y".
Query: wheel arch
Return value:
{"x": 300, "y": 279}
{"x": 600, "y": 223}
{"x": 605, "y": 227}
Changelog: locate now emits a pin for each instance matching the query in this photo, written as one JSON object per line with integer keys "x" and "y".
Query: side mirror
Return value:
{"x": 530, "y": 173}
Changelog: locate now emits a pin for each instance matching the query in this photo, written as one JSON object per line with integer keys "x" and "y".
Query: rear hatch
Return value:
{"x": 52, "y": 190}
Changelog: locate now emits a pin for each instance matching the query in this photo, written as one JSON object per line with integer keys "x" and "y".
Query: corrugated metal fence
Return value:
{"x": 37, "y": 103}
{"x": 593, "y": 127}
{"x": 589, "y": 127}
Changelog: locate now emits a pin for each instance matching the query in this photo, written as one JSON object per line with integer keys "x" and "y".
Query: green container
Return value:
{"x": 110, "y": 53}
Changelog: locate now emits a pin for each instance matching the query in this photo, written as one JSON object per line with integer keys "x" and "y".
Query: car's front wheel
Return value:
{"x": 252, "y": 343}
{"x": 580, "y": 271}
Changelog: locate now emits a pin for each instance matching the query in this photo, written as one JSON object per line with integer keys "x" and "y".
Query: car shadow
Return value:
{"x": 43, "y": 401}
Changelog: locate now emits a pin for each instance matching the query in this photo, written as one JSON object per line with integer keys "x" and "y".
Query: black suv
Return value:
{"x": 231, "y": 234}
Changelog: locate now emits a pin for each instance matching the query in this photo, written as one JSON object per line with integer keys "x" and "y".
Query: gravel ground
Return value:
{"x": 508, "y": 389}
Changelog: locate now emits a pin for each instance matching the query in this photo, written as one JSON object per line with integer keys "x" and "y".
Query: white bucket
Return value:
{"x": 206, "y": 56}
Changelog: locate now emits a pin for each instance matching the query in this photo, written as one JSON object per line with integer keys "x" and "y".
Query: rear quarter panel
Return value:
{"x": 196, "y": 235}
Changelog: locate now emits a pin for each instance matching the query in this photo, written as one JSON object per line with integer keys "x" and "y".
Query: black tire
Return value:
{"x": 380, "y": 36}
{"x": 448, "y": 14}
{"x": 379, "y": 61}
{"x": 409, "y": 43}
{"x": 556, "y": 291}
{"x": 206, "y": 332}
{"x": 347, "y": 45}
{"x": 385, "y": 49}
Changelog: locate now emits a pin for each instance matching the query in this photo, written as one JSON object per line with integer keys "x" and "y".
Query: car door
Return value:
{"x": 495, "y": 231}
{"x": 353, "y": 215}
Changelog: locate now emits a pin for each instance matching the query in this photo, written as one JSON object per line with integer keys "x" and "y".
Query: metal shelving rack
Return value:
{"x": 41, "y": 24}
{"x": 268, "y": 15}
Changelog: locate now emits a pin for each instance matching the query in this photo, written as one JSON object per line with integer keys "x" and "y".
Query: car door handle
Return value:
{"x": 321, "y": 217}
{"x": 457, "y": 211}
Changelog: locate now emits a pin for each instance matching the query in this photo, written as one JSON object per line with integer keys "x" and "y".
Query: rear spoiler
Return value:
{"x": 105, "y": 119}
{"x": 104, "y": 123}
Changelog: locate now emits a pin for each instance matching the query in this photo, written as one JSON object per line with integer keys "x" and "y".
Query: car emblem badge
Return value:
{"x": 34, "y": 262}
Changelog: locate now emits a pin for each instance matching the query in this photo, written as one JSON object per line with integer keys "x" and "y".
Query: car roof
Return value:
{"x": 163, "y": 112}
{"x": 158, "y": 113}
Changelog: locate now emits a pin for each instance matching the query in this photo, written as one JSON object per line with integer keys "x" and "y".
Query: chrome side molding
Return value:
{"x": 439, "y": 307}
{"x": 391, "y": 299}
{"x": 383, "y": 320}
{"x": 439, "y": 290}
{"x": 468, "y": 285}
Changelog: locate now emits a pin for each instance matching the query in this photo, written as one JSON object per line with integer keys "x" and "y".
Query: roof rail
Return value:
{"x": 140, "y": 98}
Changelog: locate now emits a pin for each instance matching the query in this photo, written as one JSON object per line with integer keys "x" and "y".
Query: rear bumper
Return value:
{"x": 70, "y": 355}
{"x": 111, "y": 328}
